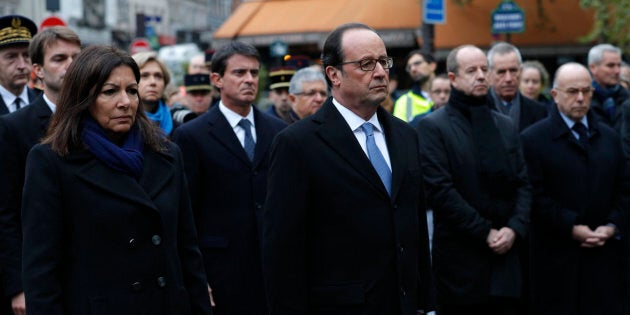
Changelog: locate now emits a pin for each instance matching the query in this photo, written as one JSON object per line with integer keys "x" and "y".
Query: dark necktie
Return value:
{"x": 508, "y": 106}
{"x": 249, "y": 144}
{"x": 582, "y": 132}
{"x": 17, "y": 103}
{"x": 376, "y": 157}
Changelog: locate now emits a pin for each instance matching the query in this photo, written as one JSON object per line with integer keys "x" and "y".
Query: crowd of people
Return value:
{"x": 488, "y": 189}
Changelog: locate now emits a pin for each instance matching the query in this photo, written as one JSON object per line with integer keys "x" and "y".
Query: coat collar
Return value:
{"x": 157, "y": 173}
{"x": 559, "y": 128}
{"x": 334, "y": 130}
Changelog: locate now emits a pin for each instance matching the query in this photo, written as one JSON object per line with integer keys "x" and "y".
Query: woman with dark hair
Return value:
{"x": 108, "y": 227}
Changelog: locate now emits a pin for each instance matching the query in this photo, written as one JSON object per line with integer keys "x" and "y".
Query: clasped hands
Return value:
{"x": 500, "y": 241}
{"x": 589, "y": 238}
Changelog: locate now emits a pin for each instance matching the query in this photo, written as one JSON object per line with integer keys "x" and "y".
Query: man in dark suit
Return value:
{"x": 226, "y": 160}
{"x": 609, "y": 99}
{"x": 576, "y": 169}
{"x": 477, "y": 187}
{"x": 344, "y": 225}
{"x": 504, "y": 61}
{"x": 15, "y": 63}
{"x": 51, "y": 51}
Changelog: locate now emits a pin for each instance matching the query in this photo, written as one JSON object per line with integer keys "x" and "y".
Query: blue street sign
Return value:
{"x": 434, "y": 11}
{"x": 508, "y": 18}
{"x": 278, "y": 49}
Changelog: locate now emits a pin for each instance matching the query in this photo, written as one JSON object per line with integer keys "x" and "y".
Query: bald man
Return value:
{"x": 576, "y": 169}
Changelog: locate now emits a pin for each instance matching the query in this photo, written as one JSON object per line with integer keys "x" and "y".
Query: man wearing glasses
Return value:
{"x": 477, "y": 187}
{"x": 421, "y": 69}
{"x": 576, "y": 169}
{"x": 349, "y": 238}
{"x": 307, "y": 93}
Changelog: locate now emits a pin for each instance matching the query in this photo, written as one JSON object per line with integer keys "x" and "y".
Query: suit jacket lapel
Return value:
{"x": 264, "y": 136}
{"x": 43, "y": 113}
{"x": 221, "y": 130}
{"x": 3, "y": 107}
{"x": 335, "y": 132}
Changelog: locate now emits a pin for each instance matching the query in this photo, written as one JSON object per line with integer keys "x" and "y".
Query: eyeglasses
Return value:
{"x": 312, "y": 93}
{"x": 370, "y": 64}
{"x": 574, "y": 92}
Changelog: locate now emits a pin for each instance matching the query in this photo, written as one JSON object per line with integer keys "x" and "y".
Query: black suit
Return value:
{"x": 97, "y": 241}
{"x": 227, "y": 193}
{"x": 467, "y": 272}
{"x": 32, "y": 95}
{"x": 19, "y": 132}
{"x": 574, "y": 186}
{"x": 334, "y": 241}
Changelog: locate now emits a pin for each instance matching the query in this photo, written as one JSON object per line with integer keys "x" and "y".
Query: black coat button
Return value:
{"x": 136, "y": 286}
{"x": 161, "y": 282}
{"x": 156, "y": 239}
{"x": 132, "y": 243}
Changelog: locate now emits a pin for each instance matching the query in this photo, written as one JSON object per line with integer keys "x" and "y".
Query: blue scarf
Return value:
{"x": 163, "y": 117}
{"x": 127, "y": 158}
{"x": 606, "y": 97}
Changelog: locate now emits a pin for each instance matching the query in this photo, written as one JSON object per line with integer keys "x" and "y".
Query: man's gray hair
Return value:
{"x": 304, "y": 75}
{"x": 503, "y": 49}
{"x": 596, "y": 53}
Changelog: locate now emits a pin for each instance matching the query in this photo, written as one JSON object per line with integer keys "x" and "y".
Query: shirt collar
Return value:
{"x": 233, "y": 118}
{"x": 50, "y": 104}
{"x": 570, "y": 122}
{"x": 353, "y": 120}
{"x": 9, "y": 97}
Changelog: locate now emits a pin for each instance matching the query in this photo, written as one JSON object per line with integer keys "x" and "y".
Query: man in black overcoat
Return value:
{"x": 51, "y": 51}
{"x": 580, "y": 190}
{"x": 226, "y": 160}
{"x": 477, "y": 185}
{"x": 341, "y": 235}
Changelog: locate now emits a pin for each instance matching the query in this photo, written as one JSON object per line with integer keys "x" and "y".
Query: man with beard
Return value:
{"x": 421, "y": 68}
{"x": 52, "y": 50}
{"x": 15, "y": 63}
{"x": 504, "y": 61}
{"x": 477, "y": 186}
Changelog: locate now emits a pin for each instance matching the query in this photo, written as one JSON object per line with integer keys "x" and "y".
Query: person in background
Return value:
{"x": 51, "y": 51}
{"x": 279, "y": 94}
{"x": 154, "y": 77}
{"x": 477, "y": 186}
{"x": 198, "y": 98}
{"x": 15, "y": 63}
{"x": 439, "y": 90}
{"x": 505, "y": 60}
{"x": 107, "y": 222}
{"x": 610, "y": 98}
{"x": 421, "y": 68}
{"x": 226, "y": 157}
{"x": 197, "y": 65}
{"x": 307, "y": 93}
{"x": 535, "y": 82}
